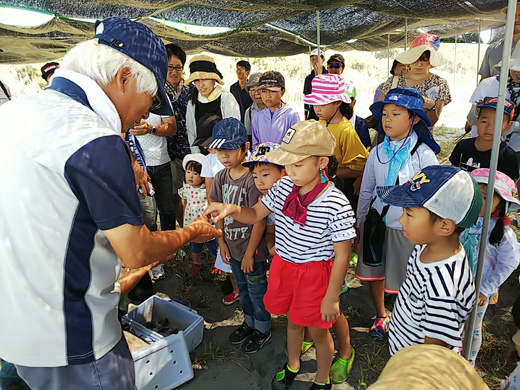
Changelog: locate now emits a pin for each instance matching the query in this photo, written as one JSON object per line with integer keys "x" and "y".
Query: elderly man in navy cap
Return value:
{"x": 72, "y": 215}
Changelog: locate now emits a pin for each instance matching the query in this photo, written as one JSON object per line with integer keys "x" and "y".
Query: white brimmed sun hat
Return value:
{"x": 422, "y": 43}
{"x": 514, "y": 61}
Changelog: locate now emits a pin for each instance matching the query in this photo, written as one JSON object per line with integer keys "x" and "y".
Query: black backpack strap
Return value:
{"x": 417, "y": 144}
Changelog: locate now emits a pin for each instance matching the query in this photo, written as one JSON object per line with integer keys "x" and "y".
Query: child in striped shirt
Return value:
{"x": 314, "y": 224}
{"x": 438, "y": 293}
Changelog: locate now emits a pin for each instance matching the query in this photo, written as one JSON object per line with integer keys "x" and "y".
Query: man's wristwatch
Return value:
{"x": 154, "y": 130}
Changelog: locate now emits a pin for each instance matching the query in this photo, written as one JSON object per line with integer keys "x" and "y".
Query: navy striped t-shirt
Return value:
{"x": 330, "y": 219}
{"x": 434, "y": 301}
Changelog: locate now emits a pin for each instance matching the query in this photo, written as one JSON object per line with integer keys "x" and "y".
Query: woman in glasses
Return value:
{"x": 421, "y": 57}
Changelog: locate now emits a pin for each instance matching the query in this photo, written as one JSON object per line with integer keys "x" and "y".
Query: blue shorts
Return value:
{"x": 211, "y": 245}
{"x": 114, "y": 371}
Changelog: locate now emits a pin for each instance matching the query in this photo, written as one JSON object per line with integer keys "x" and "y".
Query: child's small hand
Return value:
{"x": 247, "y": 264}
{"x": 224, "y": 252}
{"x": 482, "y": 299}
{"x": 329, "y": 309}
{"x": 219, "y": 211}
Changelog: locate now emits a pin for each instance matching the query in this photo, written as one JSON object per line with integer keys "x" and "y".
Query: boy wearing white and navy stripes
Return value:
{"x": 438, "y": 293}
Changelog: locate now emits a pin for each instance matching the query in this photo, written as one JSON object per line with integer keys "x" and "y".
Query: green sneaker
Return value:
{"x": 306, "y": 345}
{"x": 340, "y": 369}
{"x": 353, "y": 259}
{"x": 283, "y": 378}
{"x": 344, "y": 289}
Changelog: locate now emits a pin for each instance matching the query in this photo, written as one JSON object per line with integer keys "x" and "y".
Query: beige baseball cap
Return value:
{"x": 304, "y": 139}
{"x": 428, "y": 367}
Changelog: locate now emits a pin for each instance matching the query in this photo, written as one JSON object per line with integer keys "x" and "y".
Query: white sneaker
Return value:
{"x": 157, "y": 273}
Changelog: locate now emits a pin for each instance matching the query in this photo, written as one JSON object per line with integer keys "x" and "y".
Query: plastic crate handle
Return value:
{"x": 185, "y": 302}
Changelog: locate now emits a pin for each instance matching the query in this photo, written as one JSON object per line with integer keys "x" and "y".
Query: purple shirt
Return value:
{"x": 272, "y": 128}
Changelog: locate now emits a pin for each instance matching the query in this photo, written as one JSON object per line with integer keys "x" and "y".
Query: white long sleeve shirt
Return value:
{"x": 375, "y": 174}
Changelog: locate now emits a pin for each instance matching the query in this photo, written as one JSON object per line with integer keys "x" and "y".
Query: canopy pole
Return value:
{"x": 318, "y": 40}
{"x": 478, "y": 47}
{"x": 387, "y": 53}
{"x": 506, "y": 54}
{"x": 405, "y": 34}
{"x": 455, "y": 63}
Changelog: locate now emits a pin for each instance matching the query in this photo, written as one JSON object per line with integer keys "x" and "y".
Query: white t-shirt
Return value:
{"x": 435, "y": 301}
{"x": 376, "y": 172}
{"x": 211, "y": 166}
{"x": 154, "y": 147}
{"x": 330, "y": 219}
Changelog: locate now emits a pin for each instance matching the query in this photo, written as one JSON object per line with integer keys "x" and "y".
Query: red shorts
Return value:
{"x": 298, "y": 289}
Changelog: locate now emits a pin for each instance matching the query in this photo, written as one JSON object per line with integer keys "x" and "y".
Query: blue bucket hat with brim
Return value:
{"x": 412, "y": 100}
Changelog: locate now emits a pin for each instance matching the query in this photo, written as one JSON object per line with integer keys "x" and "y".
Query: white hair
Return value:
{"x": 101, "y": 63}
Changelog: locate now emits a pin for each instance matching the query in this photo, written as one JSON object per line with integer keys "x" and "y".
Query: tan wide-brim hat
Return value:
{"x": 411, "y": 55}
{"x": 304, "y": 139}
{"x": 428, "y": 367}
{"x": 203, "y": 67}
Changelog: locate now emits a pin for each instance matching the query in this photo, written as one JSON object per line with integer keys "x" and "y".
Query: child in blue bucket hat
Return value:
{"x": 408, "y": 146}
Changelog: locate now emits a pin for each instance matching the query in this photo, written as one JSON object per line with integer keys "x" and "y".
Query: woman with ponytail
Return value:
{"x": 502, "y": 252}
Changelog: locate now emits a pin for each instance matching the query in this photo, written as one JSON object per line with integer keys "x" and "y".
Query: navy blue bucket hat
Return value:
{"x": 141, "y": 44}
{"x": 412, "y": 100}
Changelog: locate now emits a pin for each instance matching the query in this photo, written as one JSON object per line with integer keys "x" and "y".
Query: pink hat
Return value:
{"x": 504, "y": 186}
{"x": 326, "y": 88}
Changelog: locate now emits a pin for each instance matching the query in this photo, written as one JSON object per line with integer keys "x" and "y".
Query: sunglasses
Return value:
{"x": 334, "y": 65}
{"x": 176, "y": 68}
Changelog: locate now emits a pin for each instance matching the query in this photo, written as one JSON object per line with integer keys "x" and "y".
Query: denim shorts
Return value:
{"x": 211, "y": 245}
{"x": 113, "y": 371}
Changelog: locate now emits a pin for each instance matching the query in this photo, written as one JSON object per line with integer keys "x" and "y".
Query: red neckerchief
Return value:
{"x": 295, "y": 206}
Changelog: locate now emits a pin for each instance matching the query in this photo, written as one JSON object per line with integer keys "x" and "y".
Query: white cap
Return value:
{"x": 197, "y": 157}
{"x": 315, "y": 53}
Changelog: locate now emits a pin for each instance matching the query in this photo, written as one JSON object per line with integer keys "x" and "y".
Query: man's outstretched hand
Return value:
{"x": 220, "y": 210}
{"x": 205, "y": 231}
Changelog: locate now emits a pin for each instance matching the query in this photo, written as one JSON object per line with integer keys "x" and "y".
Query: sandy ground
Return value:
{"x": 219, "y": 365}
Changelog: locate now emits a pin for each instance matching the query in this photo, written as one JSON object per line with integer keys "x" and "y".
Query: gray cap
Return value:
{"x": 253, "y": 80}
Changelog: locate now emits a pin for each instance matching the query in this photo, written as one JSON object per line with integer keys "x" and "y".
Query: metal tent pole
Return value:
{"x": 478, "y": 48}
{"x": 455, "y": 63}
{"x": 405, "y": 34}
{"x": 387, "y": 53}
{"x": 318, "y": 40}
{"x": 506, "y": 54}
